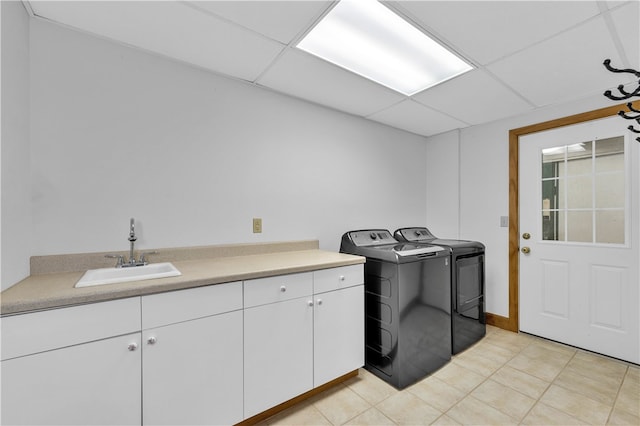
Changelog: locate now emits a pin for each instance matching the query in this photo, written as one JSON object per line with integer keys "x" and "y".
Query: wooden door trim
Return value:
{"x": 512, "y": 321}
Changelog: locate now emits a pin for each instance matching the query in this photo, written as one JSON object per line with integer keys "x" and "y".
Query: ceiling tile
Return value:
{"x": 304, "y": 76}
{"x": 474, "y": 97}
{"x": 626, "y": 19}
{"x": 485, "y": 31}
{"x": 414, "y": 117}
{"x": 170, "y": 28}
{"x": 279, "y": 20}
{"x": 564, "y": 68}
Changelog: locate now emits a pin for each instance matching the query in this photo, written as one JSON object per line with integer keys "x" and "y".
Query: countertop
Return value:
{"x": 54, "y": 290}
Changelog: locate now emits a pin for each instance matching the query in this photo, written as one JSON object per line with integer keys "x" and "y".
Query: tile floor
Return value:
{"x": 506, "y": 378}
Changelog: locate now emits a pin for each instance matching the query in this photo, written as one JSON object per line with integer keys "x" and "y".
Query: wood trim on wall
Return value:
{"x": 512, "y": 322}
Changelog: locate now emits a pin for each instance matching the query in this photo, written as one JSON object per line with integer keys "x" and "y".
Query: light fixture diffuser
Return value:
{"x": 367, "y": 38}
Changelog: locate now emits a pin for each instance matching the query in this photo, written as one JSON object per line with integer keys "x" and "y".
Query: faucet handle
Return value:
{"x": 116, "y": 256}
{"x": 143, "y": 256}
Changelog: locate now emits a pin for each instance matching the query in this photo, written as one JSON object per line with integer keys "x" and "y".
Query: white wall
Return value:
{"x": 443, "y": 185}
{"x": 15, "y": 211}
{"x": 483, "y": 187}
{"x": 118, "y": 133}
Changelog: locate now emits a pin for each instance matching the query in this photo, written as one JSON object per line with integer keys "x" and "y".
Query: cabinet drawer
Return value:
{"x": 42, "y": 331}
{"x": 184, "y": 305}
{"x": 337, "y": 278}
{"x": 276, "y": 289}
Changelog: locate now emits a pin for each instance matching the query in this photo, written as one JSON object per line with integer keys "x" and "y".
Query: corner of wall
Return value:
{"x": 15, "y": 166}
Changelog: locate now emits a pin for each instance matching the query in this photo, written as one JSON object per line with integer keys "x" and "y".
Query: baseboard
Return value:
{"x": 290, "y": 403}
{"x": 501, "y": 322}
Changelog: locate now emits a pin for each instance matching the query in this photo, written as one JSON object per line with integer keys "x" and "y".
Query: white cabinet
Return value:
{"x": 64, "y": 367}
{"x": 278, "y": 340}
{"x": 209, "y": 355}
{"x": 301, "y": 331}
{"x": 338, "y": 333}
{"x": 192, "y": 356}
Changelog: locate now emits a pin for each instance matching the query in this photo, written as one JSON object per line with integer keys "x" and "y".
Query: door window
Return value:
{"x": 583, "y": 192}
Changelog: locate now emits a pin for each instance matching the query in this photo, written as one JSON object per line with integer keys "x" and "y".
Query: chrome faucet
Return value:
{"x": 132, "y": 241}
{"x": 132, "y": 260}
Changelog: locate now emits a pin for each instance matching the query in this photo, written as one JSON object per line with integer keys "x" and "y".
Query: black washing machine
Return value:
{"x": 468, "y": 322}
{"x": 407, "y": 305}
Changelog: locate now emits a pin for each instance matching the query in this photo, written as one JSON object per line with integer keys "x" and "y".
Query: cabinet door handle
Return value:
{"x": 319, "y": 301}
{"x": 283, "y": 288}
{"x": 310, "y": 303}
{"x": 152, "y": 340}
{"x": 132, "y": 346}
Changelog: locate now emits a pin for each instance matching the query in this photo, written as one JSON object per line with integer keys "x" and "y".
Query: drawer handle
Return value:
{"x": 152, "y": 340}
{"x": 283, "y": 288}
{"x": 132, "y": 346}
{"x": 341, "y": 277}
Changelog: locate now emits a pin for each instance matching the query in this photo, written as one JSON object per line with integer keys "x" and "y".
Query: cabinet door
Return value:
{"x": 192, "y": 372}
{"x": 278, "y": 351}
{"x": 338, "y": 333}
{"x": 91, "y": 383}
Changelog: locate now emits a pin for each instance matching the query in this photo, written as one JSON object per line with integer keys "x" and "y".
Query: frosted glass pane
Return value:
{"x": 579, "y": 159}
{"x": 610, "y": 154}
{"x": 549, "y": 194}
{"x": 561, "y": 190}
{"x": 610, "y": 163}
{"x": 580, "y": 226}
{"x": 550, "y": 166}
{"x": 610, "y": 190}
{"x": 552, "y": 161}
{"x": 579, "y": 192}
{"x": 552, "y": 225}
{"x": 610, "y": 226}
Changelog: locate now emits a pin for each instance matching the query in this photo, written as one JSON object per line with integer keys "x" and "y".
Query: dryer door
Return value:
{"x": 469, "y": 287}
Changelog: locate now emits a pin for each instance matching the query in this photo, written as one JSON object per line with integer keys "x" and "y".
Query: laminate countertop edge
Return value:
{"x": 56, "y": 290}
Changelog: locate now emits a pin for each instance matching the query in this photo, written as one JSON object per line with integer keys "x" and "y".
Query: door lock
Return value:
{"x": 526, "y": 250}
{"x": 526, "y": 235}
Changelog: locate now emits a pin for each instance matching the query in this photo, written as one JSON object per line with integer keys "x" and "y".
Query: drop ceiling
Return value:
{"x": 526, "y": 54}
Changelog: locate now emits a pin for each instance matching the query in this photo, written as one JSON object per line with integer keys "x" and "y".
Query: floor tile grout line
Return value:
{"x": 515, "y": 350}
{"x": 536, "y": 401}
{"x": 468, "y": 394}
{"x": 539, "y": 400}
{"x": 615, "y": 400}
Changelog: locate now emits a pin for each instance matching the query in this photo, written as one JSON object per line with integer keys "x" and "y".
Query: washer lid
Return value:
{"x": 415, "y": 250}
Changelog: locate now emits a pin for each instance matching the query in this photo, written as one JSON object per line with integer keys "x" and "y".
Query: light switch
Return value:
{"x": 257, "y": 225}
{"x": 504, "y": 221}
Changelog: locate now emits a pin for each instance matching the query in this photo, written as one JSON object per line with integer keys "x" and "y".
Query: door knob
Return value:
{"x": 526, "y": 250}
{"x": 526, "y": 235}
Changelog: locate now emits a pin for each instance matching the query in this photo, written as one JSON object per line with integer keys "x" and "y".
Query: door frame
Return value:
{"x": 512, "y": 322}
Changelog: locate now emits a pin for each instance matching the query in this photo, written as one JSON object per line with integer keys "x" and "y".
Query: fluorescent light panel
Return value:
{"x": 368, "y": 39}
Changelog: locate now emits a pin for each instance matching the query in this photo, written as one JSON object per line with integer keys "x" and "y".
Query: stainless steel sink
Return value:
{"x": 118, "y": 275}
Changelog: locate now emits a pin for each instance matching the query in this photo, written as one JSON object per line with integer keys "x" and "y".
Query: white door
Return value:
{"x": 579, "y": 280}
{"x": 92, "y": 383}
{"x": 192, "y": 372}
{"x": 278, "y": 353}
{"x": 338, "y": 331}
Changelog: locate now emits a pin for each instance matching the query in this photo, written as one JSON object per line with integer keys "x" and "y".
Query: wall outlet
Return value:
{"x": 257, "y": 225}
{"x": 504, "y": 221}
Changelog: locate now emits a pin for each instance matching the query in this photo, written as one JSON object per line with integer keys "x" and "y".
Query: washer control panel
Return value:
{"x": 372, "y": 237}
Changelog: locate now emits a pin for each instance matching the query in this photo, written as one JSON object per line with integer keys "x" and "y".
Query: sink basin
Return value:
{"x": 135, "y": 273}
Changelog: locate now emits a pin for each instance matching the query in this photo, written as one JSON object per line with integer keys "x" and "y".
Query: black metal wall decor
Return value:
{"x": 624, "y": 95}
